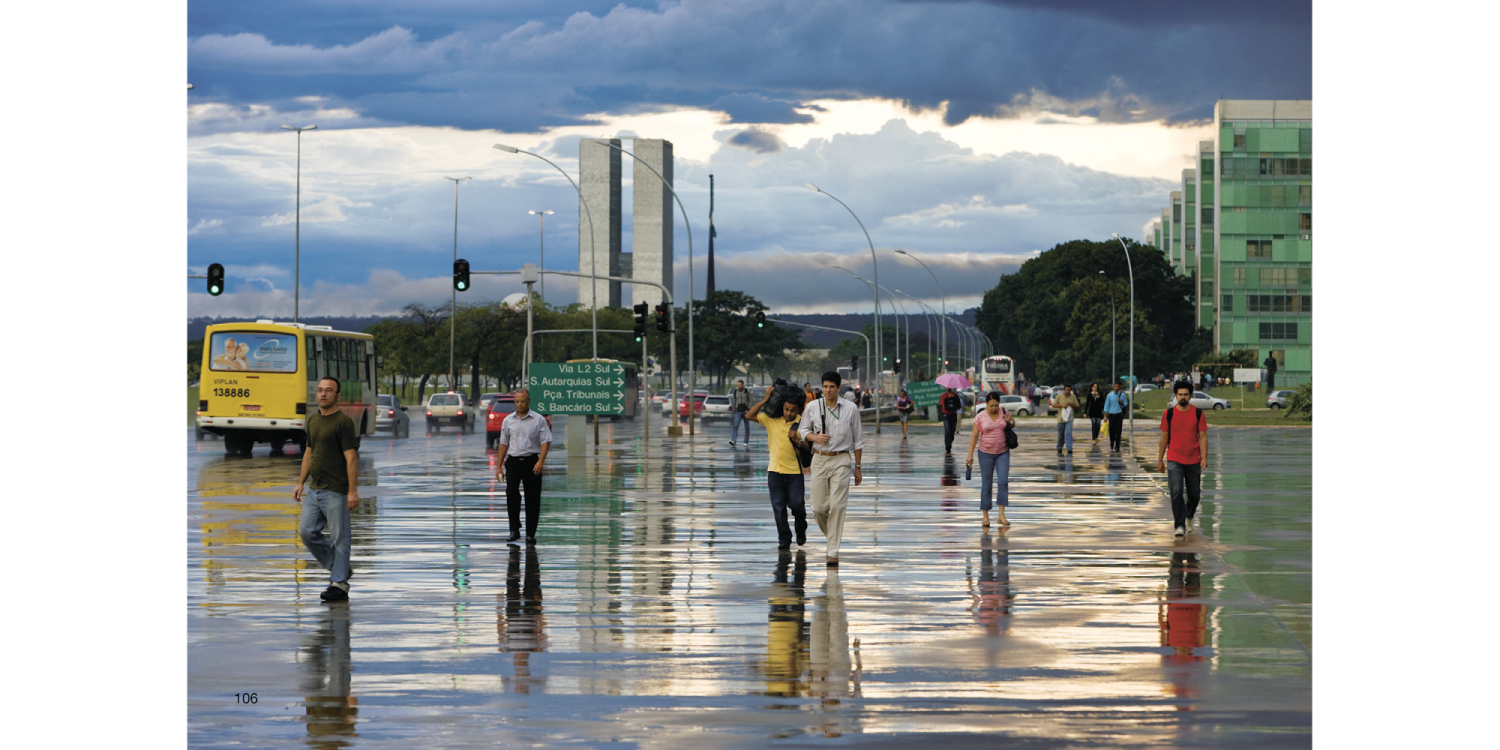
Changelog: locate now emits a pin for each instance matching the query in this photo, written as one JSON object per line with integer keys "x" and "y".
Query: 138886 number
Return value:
{"x": 232, "y": 392}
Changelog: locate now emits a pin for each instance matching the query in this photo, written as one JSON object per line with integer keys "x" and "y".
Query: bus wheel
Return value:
{"x": 277, "y": 446}
{"x": 231, "y": 443}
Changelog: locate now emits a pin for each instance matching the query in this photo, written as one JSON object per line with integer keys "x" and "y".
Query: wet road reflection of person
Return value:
{"x": 1184, "y": 628}
{"x": 992, "y": 596}
{"x": 833, "y": 675}
{"x": 520, "y": 624}
{"x": 950, "y": 471}
{"x": 787, "y": 629}
{"x": 326, "y": 669}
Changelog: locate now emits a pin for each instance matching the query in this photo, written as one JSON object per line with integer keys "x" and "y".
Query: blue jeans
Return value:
{"x": 736, "y": 419}
{"x": 787, "y": 492}
{"x": 1064, "y": 433}
{"x": 327, "y": 509}
{"x": 992, "y": 467}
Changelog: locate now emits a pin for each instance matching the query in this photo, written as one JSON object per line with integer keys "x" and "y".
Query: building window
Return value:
{"x": 1239, "y": 276}
{"x": 1226, "y": 302}
{"x": 1304, "y": 277}
{"x": 1277, "y": 276}
{"x": 1304, "y": 195}
{"x": 1176, "y": 213}
{"x": 1278, "y": 331}
{"x": 1278, "y": 195}
{"x": 1306, "y": 168}
{"x": 1239, "y": 141}
{"x": 1257, "y": 248}
{"x": 1265, "y": 167}
{"x": 1208, "y": 168}
{"x": 1306, "y": 224}
{"x": 1208, "y": 217}
{"x": 1226, "y": 168}
{"x": 1208, "y": 289}
{"x": 1307, "y": 303}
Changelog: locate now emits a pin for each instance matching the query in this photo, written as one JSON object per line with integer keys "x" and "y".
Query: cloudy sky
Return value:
{"x": 973, "y": 134}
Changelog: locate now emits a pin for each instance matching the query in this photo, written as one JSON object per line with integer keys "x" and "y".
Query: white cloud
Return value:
{"x": 326, "y": 209}
{"x": 206, "y": 225}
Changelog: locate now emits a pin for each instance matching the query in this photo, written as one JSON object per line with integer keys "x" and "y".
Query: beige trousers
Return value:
{"x": 830, "y": 493}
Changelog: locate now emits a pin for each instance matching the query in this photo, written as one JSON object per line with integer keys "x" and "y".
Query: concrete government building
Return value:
{"x": 599, "y": 177}
{"x": 1361, "y": 221}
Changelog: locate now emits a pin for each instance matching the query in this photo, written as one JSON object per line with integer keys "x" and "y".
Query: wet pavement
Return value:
{"x": 655, "y": 610}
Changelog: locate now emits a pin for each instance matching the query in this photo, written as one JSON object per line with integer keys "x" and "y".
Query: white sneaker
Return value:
{"x": 1179, "y": 531}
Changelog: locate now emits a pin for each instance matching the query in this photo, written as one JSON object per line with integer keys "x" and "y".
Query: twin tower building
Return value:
{"x": 650, "y": 259}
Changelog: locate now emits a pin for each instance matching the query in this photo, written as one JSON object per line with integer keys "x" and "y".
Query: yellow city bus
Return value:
{"x": 258, "y": 380}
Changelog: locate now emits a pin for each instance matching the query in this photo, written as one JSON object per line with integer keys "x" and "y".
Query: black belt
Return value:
{"x": 520, "y": 455}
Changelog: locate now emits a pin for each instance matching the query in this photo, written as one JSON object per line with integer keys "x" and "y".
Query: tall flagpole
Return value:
{"x": 710, "y": 234}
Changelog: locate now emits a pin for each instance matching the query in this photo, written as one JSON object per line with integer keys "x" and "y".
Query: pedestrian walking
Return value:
{"x": 1114, "y": 411}
{"x": 1093, "y": 405}
{"x": 739, "y": 404}
{"x": 524, "y": 441}
{"x": 1184, "y": 442}
{"x": 905, "y": 405}
{"x": 330, "y": 468}
{"x": 951, "y": 407}
{"x": 1065, "y": 404}
{"x": 833, "y": 425}
{"x": 994, "y": 455}
{"x": 811, "y": 394}
{"x": 785, "y": 473}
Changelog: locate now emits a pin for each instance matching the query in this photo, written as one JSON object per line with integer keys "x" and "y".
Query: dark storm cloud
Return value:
{"x": 533, "y": 68}
{"x": 1279, "y": 12}
{"x": 758, "y": 141}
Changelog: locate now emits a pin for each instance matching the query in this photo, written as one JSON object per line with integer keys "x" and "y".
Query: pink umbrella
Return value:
{"x": 954, "y": 380}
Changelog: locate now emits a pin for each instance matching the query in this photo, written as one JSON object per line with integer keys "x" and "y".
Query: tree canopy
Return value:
{"x": 1053, "y": 315}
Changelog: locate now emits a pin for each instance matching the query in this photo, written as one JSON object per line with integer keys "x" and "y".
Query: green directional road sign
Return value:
{"x": 578, "y": 387}
{"x": 923, "y": 392}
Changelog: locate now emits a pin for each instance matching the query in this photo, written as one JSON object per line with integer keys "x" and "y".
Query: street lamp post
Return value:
{"x": 541, "y": 251}
{"x": 453, "y": 306}
{"x": 1131, "y": 268}
{"x": 943, "y": 332}
{"x": 875, "y": 272}
{"x": 902, "y": 309}
{"x": 297, "y": 267}
{"x": 692, "y": 363}
{"x": 589, "y": 217}
{"x": 926, "y": 313}
{"x": 1112, "y": 336}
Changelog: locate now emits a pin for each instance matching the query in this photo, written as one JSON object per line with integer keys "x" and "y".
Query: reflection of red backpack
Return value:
{"x": 1197, "y": 415}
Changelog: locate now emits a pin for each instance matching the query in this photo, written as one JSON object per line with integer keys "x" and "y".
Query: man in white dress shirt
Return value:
{"x": 524, "y": 441}
{"x": 831, "y": 426}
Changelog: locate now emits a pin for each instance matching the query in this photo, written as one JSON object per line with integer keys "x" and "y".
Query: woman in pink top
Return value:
{"x": 994, "y": 456}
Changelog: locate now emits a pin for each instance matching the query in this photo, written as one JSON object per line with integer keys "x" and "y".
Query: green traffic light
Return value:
{"x": 213, "y": 290}
{"x": 462, "y": 286}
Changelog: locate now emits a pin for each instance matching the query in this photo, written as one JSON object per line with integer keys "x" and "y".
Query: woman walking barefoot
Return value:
{"x": 994, "y": 456}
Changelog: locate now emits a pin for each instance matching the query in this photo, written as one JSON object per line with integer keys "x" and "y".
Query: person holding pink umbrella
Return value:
{"x": 950, "y": 406}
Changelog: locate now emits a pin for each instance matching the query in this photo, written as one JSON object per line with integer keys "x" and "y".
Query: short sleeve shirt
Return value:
{"x": 1182, "y": 445}
{"x": 991, "y": 433}
{"x": 524, "y": 436}
{"x": 327, "y": 439}
{"x": 783, "y": 455}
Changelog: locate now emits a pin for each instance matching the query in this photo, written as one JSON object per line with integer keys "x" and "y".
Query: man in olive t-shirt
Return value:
{"x": 332, "y": 462}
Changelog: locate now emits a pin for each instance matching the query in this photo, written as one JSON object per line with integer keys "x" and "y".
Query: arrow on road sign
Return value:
{"x": 619, "y": 381}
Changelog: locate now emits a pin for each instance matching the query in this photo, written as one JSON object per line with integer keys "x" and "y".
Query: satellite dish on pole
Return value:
{"x": 517, "y": 300}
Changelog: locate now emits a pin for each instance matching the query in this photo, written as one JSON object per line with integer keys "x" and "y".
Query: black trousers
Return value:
{"x": 520, "y": 472}
{"x": 1184, "y": 479}
{"x": 950, "y": 427}
{"x": 1116, "y": 426}
{"x": 787, "y": 492}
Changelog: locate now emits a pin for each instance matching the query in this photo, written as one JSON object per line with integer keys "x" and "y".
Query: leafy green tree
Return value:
{"x": 1052, "y": 316}
{"x": 725, "y": 335}
{"x": 1299, "y": 404}
{"x": 195, "y": 358}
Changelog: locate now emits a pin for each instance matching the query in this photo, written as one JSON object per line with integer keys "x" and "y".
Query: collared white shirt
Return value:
{"x": 524, "y": 436}
{"x": 839, "y": 422}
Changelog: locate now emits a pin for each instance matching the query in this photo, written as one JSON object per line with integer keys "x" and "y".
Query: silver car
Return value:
{"x": 391, "y": 416}
{"x": 1277, "y": 399}
{"x": 1204, "y": 401}
{"x": 1017, "y": 406}
{"x": 715, "y": 407}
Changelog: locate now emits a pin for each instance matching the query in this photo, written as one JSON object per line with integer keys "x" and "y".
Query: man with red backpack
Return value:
{"x": 1184, "y": 442}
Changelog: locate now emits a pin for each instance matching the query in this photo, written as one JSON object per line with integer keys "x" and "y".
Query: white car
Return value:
{"x": 1143, "y": 387}
{"x": 391, "y": 416}
{"x": 715, "y": 407}
{"x": 1204, "y": 401}
{"x": 1017, "y": 406}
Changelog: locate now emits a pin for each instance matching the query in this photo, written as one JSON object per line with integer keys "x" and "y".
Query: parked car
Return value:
{"x": 663, "y": 400}
{"x": 1143, "y": 387}
{"x": 391, "y": 416}
{"x": 696, "y": 401}
{"x": 1204, "y": 401}
{"x": 1277, "y": 399}
{"x": 451, "y": 408}
{"x": 501, "y": 406}
{"x": 1016, "y": 406}
{"x": 484, "y": 401}
{"x": 716, "y": 407}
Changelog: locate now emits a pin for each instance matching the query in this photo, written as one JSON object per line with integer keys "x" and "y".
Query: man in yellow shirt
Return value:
{"x": 784, "y": 474}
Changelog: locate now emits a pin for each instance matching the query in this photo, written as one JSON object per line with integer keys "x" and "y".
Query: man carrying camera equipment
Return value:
{"x": 833, "y": 426}
{"x": 784, "y": 473}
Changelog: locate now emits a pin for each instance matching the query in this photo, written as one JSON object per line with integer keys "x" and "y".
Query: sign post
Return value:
{"x": 924, "y": 393}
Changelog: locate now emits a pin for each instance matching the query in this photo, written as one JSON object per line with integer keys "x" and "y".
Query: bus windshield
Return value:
{"x": 253, "y": 352}
{"x": 997, "y": 366}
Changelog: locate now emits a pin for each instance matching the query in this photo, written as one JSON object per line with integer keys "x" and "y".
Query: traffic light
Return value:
{"x": 897, "y": 368}
{"x": 640, "y": 320}
{"x": 664, "y": 317}
{"x": 461, "y": 275}
{"x": 215, "y": 279}
{"x": 854, "y": 363}
{"x": 760, "y": 319}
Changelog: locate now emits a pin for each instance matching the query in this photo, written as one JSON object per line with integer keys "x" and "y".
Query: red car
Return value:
{"x": 501, "y": 407}
{"x": 696, "y": 401}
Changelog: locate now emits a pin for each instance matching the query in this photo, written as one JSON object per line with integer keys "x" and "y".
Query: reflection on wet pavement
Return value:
{"x": 656, "y": 609}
